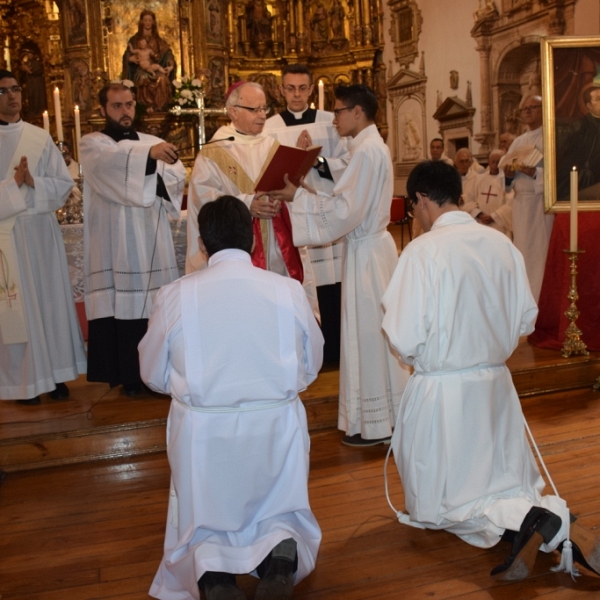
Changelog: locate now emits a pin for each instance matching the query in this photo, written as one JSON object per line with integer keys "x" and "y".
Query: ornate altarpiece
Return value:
{"x": 78, "y": 46}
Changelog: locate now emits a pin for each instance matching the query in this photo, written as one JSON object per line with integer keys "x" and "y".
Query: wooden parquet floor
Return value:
{"x": 95, "y": 530}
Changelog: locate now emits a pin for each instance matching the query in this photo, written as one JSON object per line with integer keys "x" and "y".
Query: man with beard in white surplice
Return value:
{"x": 132, "y": 183}
{"x": 301, "y": 126}
{"x": 456, "y": 305}
{"x": 41, "y": 345}
{"x": 371, "y": 377}
{"x": 233, "y": 345}
{"x": 532, "y": 227}
{"x": 233, "y": 166}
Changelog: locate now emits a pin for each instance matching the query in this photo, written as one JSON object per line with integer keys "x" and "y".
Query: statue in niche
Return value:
{"x": 318, "y": 23}
{"x": 454, "y": 80}
{"x": 412, "y": 139}
{"x": 82, "y": 84}
{"x": 76, "y": 21}
{"x": 337, "y": 14}
{"x": 217, "y": 81}
{"x": 214, "y": 20}
{"x": 31, "y": 69}
{"x": 258, "y": 21}
{"x": 153, "y": 83}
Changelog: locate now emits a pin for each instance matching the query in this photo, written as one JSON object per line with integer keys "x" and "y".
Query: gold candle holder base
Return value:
{"x": 573, "y": 343}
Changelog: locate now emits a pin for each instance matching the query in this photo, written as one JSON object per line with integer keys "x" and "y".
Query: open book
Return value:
{"x": 525, "y": 156}
{"x": 296, "y": 162}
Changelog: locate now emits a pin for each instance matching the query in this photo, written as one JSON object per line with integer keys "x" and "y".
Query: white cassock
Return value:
{"x": 54, "y": 350}
{"x": 469, "y": 193}
{"x": 490, "y": 198}
{"x": 455, "y": 308}
{"x": 371, "y": 377}
{"x": 532, "y": 227}
{"x": 208, "y": 182}
{"x": 128, "y": 246}
{"x": 326, "y": 259}
{"x": 237, "y": 437}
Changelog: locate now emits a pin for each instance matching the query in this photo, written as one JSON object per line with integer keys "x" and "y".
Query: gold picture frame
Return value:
{"x": 570, "y": 67}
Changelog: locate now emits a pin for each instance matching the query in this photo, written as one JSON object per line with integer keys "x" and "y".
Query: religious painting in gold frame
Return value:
{"x": 125, "y": 16}
{"x": 570, "y": 74}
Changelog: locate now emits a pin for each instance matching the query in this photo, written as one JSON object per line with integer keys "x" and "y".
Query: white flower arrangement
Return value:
{"x": 187, "y": 91}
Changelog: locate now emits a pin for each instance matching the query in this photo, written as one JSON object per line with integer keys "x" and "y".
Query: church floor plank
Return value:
{"x": 95, "y": 531}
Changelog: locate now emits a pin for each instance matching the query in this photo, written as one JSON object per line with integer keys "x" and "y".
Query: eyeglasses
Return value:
{"x": 293, "y": 88}
{"x": 256, "y": 110}
{"x": 337, "y": 111}
{"x": 15, "y": 89}
{"x": 530, "y": 108}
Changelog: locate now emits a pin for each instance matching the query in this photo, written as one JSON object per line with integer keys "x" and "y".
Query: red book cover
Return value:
{"x": 296, "y": 162}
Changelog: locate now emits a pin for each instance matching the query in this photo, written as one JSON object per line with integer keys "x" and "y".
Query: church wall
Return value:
{"x": 587, "y": 17}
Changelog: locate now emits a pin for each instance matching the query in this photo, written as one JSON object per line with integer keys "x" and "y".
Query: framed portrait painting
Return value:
{"x": 571, "y": 101}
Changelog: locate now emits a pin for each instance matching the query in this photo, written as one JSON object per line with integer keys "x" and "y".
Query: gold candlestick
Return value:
{"x": 573, "y": 343}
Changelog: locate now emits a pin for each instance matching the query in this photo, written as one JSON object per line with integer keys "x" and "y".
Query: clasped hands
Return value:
{"x": 510, "y": 171}
{"x": 22, "y": 174}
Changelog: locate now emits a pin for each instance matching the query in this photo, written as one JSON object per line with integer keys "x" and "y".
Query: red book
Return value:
{"x": 296, "y": 162}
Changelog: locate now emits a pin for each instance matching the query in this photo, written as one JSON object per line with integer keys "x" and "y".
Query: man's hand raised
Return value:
{"x": 164, "y": 151}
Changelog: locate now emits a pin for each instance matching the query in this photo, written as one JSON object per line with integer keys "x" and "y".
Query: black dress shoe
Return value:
{"x": 357, "y": 441}
{"x": 215, "y": 585}
{"x": 30, "y": 401}
{"x": 277, "y": 583}
{"x": 586, "y": 548}
{"x": 60, "y": 392}
{"x": 539, "y": 526}
{"x": 131, "y": 390}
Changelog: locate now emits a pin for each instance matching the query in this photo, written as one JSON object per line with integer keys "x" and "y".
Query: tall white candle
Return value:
{"x": 574, "y": 197}
{"x": 58, "y": 115}
{"x": 77, "y": 130}
{"x": 46, "y": 121}
{"x": 321, "y": 88}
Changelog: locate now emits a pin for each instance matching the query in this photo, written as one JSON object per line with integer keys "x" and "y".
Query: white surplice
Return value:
{"x": 128, "y": 246}
{"x": 455, "y": 308}
{"x": 326, "y": 259}
{"x": 237, "y": 437}
{"x": 371, "y": 377}
{"x": 208, "y": 182}
{"x": 532, "y": 227}
{"x": 491, "y": 198}
{"x": 54, "y": 352}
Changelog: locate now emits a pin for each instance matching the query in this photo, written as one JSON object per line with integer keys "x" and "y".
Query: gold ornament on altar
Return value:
{"x": 187, "y": 92}
{"x": 573, "y": 343}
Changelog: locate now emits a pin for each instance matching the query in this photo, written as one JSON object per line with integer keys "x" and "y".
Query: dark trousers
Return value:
{"x": 112, "y": 350}
{"x": 330, "y": 306}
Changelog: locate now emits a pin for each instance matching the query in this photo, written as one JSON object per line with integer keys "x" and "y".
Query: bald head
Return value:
{"x": 463, "y": 161}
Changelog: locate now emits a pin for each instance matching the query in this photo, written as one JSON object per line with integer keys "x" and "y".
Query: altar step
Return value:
{"x": 96, "y": 424}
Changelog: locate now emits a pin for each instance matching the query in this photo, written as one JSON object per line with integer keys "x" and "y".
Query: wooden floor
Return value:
{"x": 94, "y": 531}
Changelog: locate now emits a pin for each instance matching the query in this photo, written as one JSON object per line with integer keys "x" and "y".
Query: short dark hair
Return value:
{"x": 112, "y": 87}
{"x": 358, "y": 95}
{"x": 296, "y": 69}
{"x": 437, "y": 140}
{"x": 6, "y": 74}
{"x": 587, "y": 94}
{"x": 225, "y": 223}
{"x": 437, "y": 180}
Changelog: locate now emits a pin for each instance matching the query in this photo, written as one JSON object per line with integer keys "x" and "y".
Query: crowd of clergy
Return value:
{"x": 276, "y": 282}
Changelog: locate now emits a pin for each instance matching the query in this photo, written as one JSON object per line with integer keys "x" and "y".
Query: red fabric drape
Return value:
{"x": 282, "y": 226}
{"x": 552, "y": 322}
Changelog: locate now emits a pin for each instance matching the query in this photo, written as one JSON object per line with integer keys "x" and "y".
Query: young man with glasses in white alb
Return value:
{"x": 41, "y": 345}
{"x": 302, "y": 126}
{"x": 233, "y": 166}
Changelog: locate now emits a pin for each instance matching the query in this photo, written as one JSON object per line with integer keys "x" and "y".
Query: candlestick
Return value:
{"x": 58, "y": 115}
{"x": 573, "y": 343}
{"x": 77, "y": 130}
{"x": 321, "y": 88}
{"x": 574, "y": 197}
{"x": 46, "y": 121}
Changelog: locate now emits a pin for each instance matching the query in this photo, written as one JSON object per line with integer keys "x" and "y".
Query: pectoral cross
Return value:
{"x": 488, "y": 194}
{"x": 201, "y": 112}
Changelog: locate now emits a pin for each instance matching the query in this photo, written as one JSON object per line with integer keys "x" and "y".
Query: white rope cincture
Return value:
{"x": 401, "y": 516}
{"x": 566, "y": 555}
